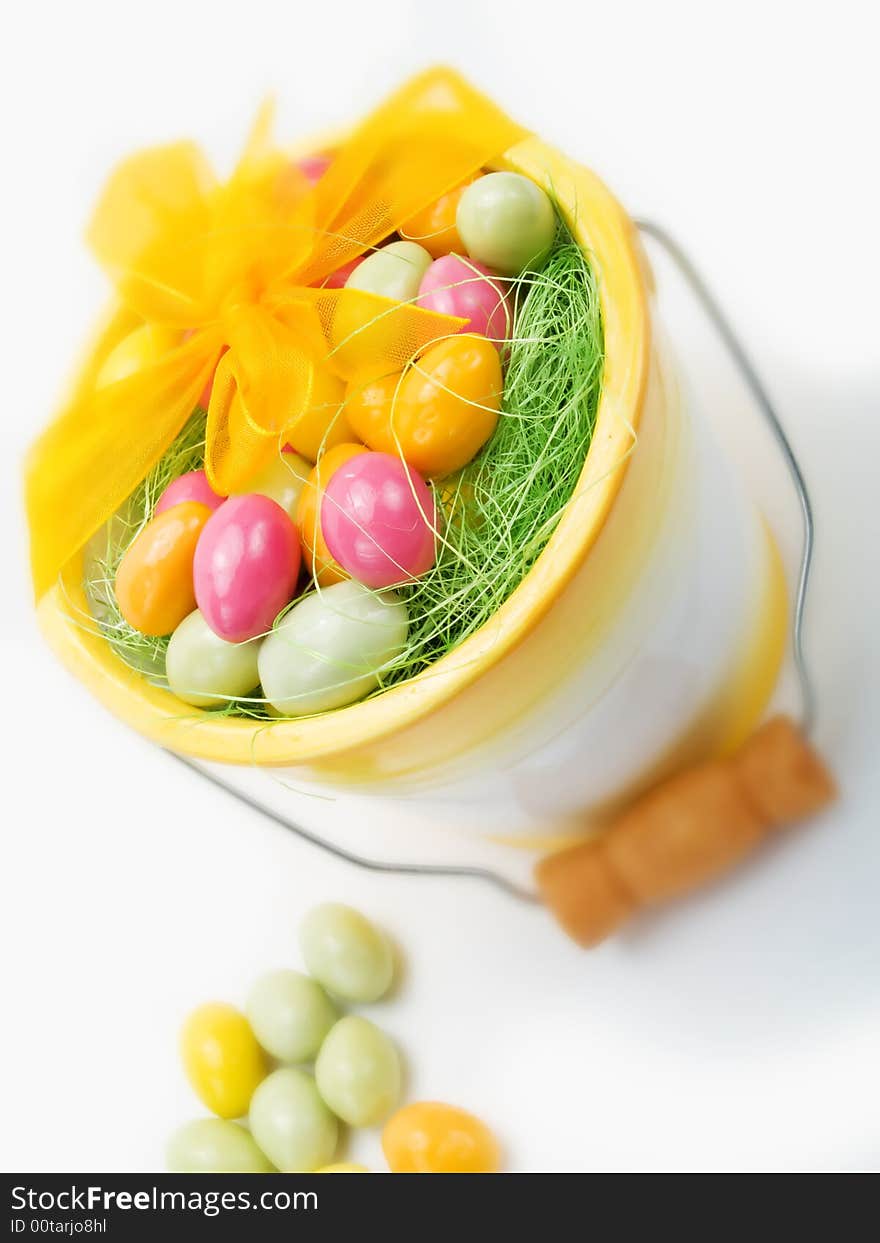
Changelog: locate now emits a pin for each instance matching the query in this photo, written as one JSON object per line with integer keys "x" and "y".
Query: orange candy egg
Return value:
{"x": 440, "y": 414}
{"x": 315, "y": 551}
{"x": 431, "y": 1138}
{"x": 434, "y": 226}
{"x": 324, "y": 425}
{"x": 154, "y": 582}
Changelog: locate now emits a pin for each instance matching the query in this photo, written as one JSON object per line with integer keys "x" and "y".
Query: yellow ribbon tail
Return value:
{"x": 149, "y": 227}
{"x": 93, "y": 456}
{"x": 432, "y": 134}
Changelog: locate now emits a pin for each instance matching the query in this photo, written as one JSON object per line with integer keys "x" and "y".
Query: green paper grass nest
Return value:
{"x": 500, "y": 510}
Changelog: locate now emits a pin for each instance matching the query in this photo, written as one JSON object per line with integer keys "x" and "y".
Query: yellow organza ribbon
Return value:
{"x": 237, "y": 268}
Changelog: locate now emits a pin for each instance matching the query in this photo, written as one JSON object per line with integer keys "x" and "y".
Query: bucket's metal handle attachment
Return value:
{"x": 749, "y": 373}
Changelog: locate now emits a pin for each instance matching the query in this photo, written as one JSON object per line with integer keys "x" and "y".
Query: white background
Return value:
{"x": 131, "y": 890}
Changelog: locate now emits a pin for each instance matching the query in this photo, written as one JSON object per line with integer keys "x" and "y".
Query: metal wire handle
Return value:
{"x": 749, "y": 373}
{"x": 371, "y": 865}
{"x": 752, "y": 379}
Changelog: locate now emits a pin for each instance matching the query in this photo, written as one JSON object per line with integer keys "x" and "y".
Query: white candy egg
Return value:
{"x": 395, "y": 271}
{"x": 206, "y": 671}
{"x": 330, "y": 648}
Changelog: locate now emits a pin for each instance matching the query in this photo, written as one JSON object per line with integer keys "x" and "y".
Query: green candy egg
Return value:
{"x": 291, "y": 1124}
{"x": 395, "y": 271}
{"x": 214, "y": 1146}
{"x": 290, "y": 1015}
{"x": 282, "y": 481}
{"x": 506, "y": 222}
{"x": 350, "y": 956}
{"x": 331, "y": 648}
{"x": 358, "y": 1072}
{"x": 204, "y": 670}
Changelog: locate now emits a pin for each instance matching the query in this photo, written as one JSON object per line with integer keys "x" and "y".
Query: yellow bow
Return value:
{"x": 236, "y": 269}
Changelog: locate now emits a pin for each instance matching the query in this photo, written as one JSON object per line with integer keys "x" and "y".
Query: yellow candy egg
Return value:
{"x": 154, "y": 582}
{"x": 324, "y": 425}
{"x": 440, "y": 413}
{"x": 432, "y": 1138}
{"x": 282, "y": 479}
{"x": 141, "y": 348}
{"x": 222, "y": 1060}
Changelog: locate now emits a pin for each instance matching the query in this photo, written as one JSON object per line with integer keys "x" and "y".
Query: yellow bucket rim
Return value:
{"x": 607, "y": 235}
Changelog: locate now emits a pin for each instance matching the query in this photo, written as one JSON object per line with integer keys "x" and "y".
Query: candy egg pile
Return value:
{"x": 254, "y": 1065}
{"x": 290, "y": 597}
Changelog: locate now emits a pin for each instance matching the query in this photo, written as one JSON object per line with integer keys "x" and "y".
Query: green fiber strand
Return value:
{"x": 498, "y": 512}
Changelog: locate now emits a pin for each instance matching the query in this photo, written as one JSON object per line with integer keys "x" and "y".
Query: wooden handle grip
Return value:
{"x": 685, "y": 831}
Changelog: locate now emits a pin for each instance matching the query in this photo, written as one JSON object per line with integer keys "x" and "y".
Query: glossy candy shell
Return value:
{"x": 440, "y": 413}
{"x": 154, "y": 582}
{"x": 291, "y": 1124}
{"x": 432, "y": 1138}
{"x": 246, "y": 566}
{"x": 204, "y": 670}
{"x": 316, "y": 554}
{"x": 215, "y": 1146}
{"x": 378, "y": 518}
{"x": 222, "y": 1059}
{"x": 467, "y": 289}
{"x": 330, "y": 648}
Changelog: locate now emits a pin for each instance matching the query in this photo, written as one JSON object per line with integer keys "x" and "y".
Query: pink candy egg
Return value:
{"x": 190, "y": 487}
{"x": 456, "y": 286}
{"x": 377, "y": 518}
{"x": 245, "y": 567}
{"x": 337, "y": 279}
{"x": 314, "y": 166}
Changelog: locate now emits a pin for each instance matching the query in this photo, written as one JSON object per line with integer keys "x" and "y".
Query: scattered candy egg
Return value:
{"x": 308, "y": 514}
{"x": 282, "y": 480}
{"x": 324, "y": 425}
{"x": 222, "y": 1059}
{"x": 343, "y": 1167}
{"x": 394, "y": 271}
{"x": 290, "y": 1015}
{"x": 245, "y": 567}
{"x": 330, "y": 649}
{"x": 192, "y": 486}
{"x": 440, "y": 413}
{"x": 154, "y": 582}
{"x": 378, "y": 519}
{"x": 204, "y": 670}
{"x": 432, "y": 1138}
{"x": 358, "y": 1072}
{"x": 215, "y": 1146}
{"x": 141, "y": 348}
{"x": 506, "y": 222}
{"x": 465, "y": 288}
{"x": 434, "y": 226}
{"x": 291, "y": 1124}
{"x": 343, "y": 949}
